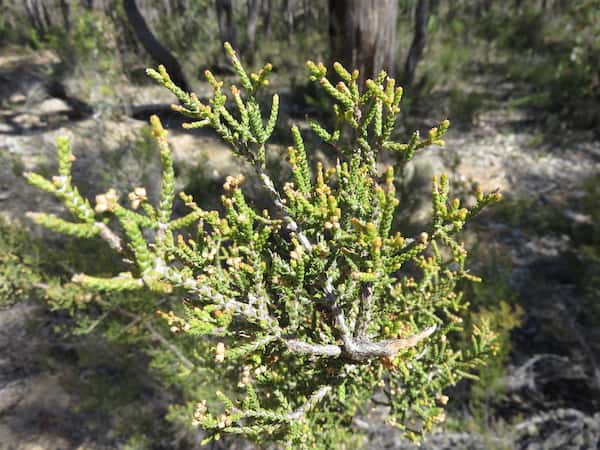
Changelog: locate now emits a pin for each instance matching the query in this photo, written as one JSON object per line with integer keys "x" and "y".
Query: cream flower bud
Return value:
{"x": 199, "y": 413}
{"x": 107, "y": 201}
{"x": 245, "y": 380}
{"x": 220, "y": 353}
{"x": 137, "y": 197}
{"x": 233, "y": 182}
{"x": 296, "y": 253}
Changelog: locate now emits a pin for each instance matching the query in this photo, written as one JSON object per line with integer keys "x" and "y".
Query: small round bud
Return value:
{"x": 442, "y": 399}
{"x": 220, "y": 352}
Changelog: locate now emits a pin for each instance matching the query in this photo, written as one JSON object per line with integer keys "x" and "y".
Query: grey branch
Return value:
{"x": 292, "y": 224}
{"x": 109, "y": 236}
{"x": 364, "y": 315}
{"x": 360, "y": 349}
{"x": 297, "y": 346}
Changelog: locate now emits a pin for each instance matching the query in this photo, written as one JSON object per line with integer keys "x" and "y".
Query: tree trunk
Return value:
{"x": 418, "y": 44}
{"x": 267, "y": 6}
{"x": 66, "y": 15}
{"x": 167, "y": 8}
{"x": 288, "y": 15}
{"x": 36, "y": 16}
{"x": 518, "y": 5}
{"x": 80, "y": 108}
{"x": 157, "y": 51}
{"x": 252, "y": 22}
{"x": 225, "y": 21}
{"x": 363, "y": 34}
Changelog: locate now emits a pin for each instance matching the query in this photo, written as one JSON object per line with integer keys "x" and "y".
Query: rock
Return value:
{"x": 52, "y": 106}
{"x": 578, "y": 218}
{"x": 27, "y": 120}
{"x": 10, "y": 395}
{"x": 548, "y": 382}
{"x": 451, "y": 441}
{"x": 564, "y": 429}
{"x": 17, "y": 98}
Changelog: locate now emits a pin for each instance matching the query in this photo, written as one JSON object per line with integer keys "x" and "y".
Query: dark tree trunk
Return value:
{"x": 305, "y": 15}
{"x": 157, "y": 51}
{"x": 418, "y": 44}
{"x": 66, "y": 15}
{"x": 80, "y": 108}
{"x": 225, "y": 21}
{"x": 180, "y": 7}
{"x": 363, "y": 34}
{"x": 518, "y": 5}
{"x": 267, "y": 5}
{"x": 46, "y": 15}
{"x": 36, "y": 15}
{"x": 167, "y": 8}
{"x": 288, "y": 14}
{"x": 252, "y": 22}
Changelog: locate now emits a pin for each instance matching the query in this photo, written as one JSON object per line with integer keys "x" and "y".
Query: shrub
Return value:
{"x": 282, "y": 324}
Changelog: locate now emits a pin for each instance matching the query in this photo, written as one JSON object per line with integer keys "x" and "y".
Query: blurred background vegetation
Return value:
{"x": 519, "y": 79}
{"x": 550, "y": 48}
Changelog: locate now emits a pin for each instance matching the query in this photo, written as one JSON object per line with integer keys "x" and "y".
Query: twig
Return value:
{"x": 110, "y": 237}
{"x": 96, "y": 323}
{"x": 310, "y": 403}
{"x": 156, "y": 335}
{"x": 364, "y": 314}
{"x": 278, "y": 201}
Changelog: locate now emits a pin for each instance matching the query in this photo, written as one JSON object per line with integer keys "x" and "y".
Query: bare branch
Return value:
{"x": 292, "y": 224}
{"x": 297, "y": 346}
{"x": 359, "y": 350}
{"x": 364, "y": 315}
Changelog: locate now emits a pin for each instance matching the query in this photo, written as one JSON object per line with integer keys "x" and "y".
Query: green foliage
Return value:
{"x": 88, "y": 49}
{"x": 18, "y": 259}
{"x": 558, "y": 55}
{"x": 495, "y": 302}
{"x": 90, "y": 40}
{"x": 586, "y": 241}
{"x": 528, "y": 214}
{"x": 298, "y": 314}
{"x": 466, "y": 105}
{"x": 548, "y": 50}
